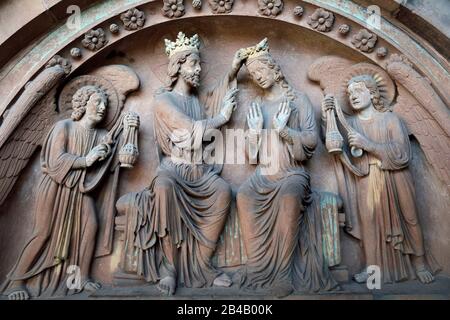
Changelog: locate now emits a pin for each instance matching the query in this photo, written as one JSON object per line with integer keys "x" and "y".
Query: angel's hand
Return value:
{"x": 359, "y": 141}
{"x": 328, "y": 103}
{"x": 131, "y": 120}
{"x": 98, "y": 153}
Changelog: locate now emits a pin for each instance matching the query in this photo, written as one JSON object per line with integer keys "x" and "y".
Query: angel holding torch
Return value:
{"x": 376, "y": 182}
{"x": 76, "y": 156}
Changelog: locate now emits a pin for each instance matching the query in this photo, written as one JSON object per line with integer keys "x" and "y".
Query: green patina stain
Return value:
{"x": 330, "y": 229}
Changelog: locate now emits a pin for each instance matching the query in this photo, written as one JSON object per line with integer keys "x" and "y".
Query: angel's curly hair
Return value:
{"x": 372, "y": 85}
{"x": 81, "y": 98}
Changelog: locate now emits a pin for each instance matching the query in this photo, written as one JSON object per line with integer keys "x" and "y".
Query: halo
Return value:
{"x": 385, "y": 84}
{"x": 114, "y": 103}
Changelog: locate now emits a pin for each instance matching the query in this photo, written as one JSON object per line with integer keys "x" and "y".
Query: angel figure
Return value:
{"x": 77, "y": 157}
{"x": 374, "y": 177}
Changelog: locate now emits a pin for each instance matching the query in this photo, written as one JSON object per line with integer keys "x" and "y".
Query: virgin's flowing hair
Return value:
{"x": 270, "y": 62}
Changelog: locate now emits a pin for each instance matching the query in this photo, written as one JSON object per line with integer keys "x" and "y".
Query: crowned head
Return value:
{"x": 184, "y": 60}
{"x": 260, "y": 64}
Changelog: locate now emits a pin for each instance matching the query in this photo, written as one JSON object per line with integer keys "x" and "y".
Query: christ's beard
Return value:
{"x": 192, "y": 79}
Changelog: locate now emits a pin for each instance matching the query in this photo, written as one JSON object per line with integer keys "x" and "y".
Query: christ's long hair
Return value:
{"x": 173, "y": 69}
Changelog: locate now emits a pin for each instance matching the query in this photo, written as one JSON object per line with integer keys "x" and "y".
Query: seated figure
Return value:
{"x": 176, "y": 222}
{"x": 282, "y": 135}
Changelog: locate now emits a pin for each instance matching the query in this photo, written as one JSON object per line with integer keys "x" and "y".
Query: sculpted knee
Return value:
{"x": 163, "y": 185}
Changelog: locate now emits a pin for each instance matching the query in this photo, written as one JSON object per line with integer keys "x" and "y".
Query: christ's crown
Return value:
{"x": 182, "y": 43}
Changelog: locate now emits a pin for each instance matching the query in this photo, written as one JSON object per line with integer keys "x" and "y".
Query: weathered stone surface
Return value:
{"x": 410, "y": 144}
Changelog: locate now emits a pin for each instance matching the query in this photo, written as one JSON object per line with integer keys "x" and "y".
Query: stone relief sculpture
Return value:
{"x": 176, "y": 222}
{"x": 270, "y": 203}
{"x": 373, "y": 178}
{"x": 78, "y": 159}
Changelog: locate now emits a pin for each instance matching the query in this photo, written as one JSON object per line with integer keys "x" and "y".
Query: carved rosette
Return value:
{"x": 365, "y": 40}
{"x": 321, "y": 20}
{"x": 133, "y": 19}
{"x": 270, "y": 8}
{"x": 221, "y": 6}
{"x": 173, "y": 8}
{"x": 94, "y": 39}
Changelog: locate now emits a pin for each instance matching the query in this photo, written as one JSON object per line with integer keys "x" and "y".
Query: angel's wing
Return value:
{"x": 23, "y": 142}
{"x": 326, "y": 71}
{"x": 433, "y": 140}
{"x": 27, "y": 121}
{"x": 425, "y": 114}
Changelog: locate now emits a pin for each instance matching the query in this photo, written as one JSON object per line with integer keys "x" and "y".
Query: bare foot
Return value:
{"x": 361, "y": 277}
{"x": 223, "y": 281}
{"x": 167, "y": 285}
{"x": 92, "y": 286}
{"x": 424, "y": 275}
{"x": 19, "y": 294}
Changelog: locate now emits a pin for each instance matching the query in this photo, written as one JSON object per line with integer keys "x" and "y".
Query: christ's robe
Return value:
{"x": 187, "y": 202}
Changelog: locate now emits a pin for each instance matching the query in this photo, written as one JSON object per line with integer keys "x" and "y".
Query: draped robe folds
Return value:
{"x": 65, "y": 214}
{"x": 380, "y": 201}
{"x": 270, "y": 206}
{"x": 187, "y": 202}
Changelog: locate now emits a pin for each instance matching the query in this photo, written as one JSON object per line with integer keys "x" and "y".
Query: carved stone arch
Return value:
{"x": 103, "y": 14}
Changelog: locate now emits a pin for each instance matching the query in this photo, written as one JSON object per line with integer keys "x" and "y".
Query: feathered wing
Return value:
{"x": 327, "y": 72}
{"x": 425, "y": 114}
{"x": 23, "y": 142}
{"x": 433, "y": 140}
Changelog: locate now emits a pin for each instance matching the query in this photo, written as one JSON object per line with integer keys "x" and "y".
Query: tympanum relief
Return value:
{"x": 167, "y": 234}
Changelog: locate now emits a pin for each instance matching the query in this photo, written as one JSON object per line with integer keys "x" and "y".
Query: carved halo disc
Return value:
{"x": 114, "y": 104}
{"x": 385, "y": 84}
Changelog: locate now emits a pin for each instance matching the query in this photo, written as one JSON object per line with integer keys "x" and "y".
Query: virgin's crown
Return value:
{"x": 183, "y": 43}
{"x": 262, "y": 48}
